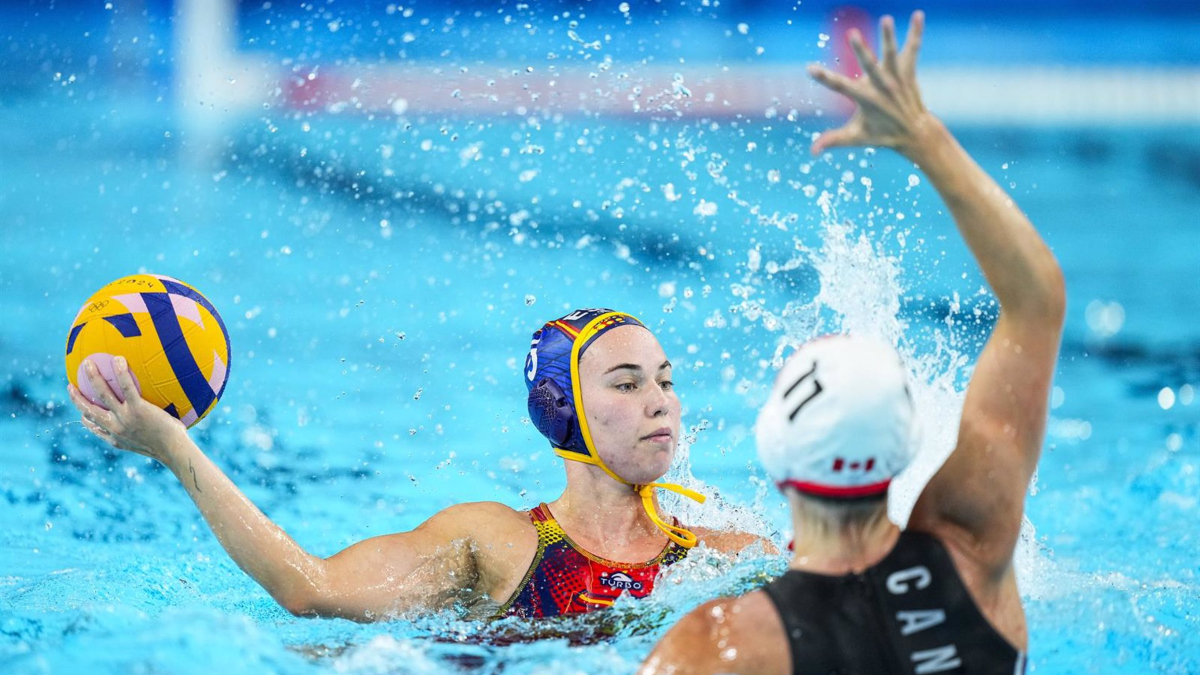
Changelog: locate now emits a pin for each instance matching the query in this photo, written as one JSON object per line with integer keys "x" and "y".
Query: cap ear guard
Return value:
{"x": 551, "y": 412}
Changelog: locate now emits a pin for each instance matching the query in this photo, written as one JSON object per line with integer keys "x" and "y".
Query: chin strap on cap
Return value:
{"x": 682, "y": 536}
{"x": 677, "y": 534}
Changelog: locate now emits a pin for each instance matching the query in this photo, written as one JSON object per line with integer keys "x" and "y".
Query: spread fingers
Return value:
{"x": 834, "y": 81}
{"x": 912, "y": 42}
{"x": 866, "y": 59}
{"x": 887, "y": 33}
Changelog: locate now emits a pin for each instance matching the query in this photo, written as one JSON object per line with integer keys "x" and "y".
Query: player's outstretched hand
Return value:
{"x": 128, "y": 421}
{"x": 888, "y": 108}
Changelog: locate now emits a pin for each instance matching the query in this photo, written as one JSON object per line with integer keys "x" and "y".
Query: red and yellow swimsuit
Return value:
{"x": 565, "y": 579}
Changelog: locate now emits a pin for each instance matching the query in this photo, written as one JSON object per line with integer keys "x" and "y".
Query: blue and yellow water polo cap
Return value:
{"x": 556, "y": 402}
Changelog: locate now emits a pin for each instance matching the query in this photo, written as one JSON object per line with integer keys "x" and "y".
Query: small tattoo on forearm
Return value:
{"x": 195, "y": 480}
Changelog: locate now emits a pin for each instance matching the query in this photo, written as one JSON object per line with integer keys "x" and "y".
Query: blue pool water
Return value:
{"x": 380, "y": 282}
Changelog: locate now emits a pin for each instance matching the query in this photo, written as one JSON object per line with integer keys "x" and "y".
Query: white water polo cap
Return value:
{"x": 840, "y": 421}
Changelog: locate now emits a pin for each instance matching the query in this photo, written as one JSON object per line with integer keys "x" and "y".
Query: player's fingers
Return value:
{"x": 836, "y": 82}
{"x": 77, "y": 398}
{"x": 125, "y": 382}
{"x": 887, "y": 35}
{"x": 99, "y": 431}
{"x": 99, "y": 417}
{"x": 912, "y": 42}
{"x": 104, "y": 396}
{"x": 85, "y": 407}
{"x": 868, "y": 62}
{"x": 842, "y": 136}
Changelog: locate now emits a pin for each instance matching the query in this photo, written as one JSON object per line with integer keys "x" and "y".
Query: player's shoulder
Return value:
{"x": 743, "y": 613}
{"x": 478, "y": 519}
{"x": 490, "y": 509}
{"x": 484, "y": 513}
{"x": 741, "y": 634}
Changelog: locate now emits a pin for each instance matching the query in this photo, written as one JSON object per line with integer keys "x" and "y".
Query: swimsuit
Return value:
{"x": 565, "y": 579}
{"x": 909, "y": 613}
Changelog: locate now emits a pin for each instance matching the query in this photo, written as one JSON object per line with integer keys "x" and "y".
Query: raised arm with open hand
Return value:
{"x": 848, "y": 555}
{"x": 977, "y": 498}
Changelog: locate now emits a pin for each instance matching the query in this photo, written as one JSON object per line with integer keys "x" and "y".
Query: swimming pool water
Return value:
{"x": 380, "y": 296}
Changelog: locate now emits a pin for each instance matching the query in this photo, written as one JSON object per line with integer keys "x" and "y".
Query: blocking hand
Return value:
{"x": 888, "y": 108}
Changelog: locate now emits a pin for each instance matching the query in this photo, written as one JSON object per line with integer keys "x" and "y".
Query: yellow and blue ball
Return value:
{"x": 171, "y": 336}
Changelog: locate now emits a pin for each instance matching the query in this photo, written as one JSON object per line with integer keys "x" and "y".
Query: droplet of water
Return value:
{"x": 1104, "y": 319}
{"x": 678, "y": 87}
{"x": 529, "y": 300}
{"x": 1166, "y": 398}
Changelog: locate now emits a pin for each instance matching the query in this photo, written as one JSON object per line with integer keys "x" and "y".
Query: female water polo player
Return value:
{"x": 861, "y": 596}
{"x": 599, "y": 387}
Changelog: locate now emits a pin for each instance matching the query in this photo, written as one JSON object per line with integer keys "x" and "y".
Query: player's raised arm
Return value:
{"x": 978, "y": 494}
{"x": 424, "y": 568}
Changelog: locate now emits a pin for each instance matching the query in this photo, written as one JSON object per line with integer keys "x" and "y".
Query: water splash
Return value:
{"x": 861, "y": 292}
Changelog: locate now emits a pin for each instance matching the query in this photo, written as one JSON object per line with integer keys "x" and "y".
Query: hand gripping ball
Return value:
{"x": 171, "y": 336}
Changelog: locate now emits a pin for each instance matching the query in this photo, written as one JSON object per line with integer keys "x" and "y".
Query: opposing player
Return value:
{"x": 599, "y": 387}
{"x": 861, "y": 597}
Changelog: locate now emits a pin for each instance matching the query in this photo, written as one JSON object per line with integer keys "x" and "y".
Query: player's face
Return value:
{"x": 630, "y": 403}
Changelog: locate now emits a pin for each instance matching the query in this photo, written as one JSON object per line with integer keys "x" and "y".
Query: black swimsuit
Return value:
{"x": 910, "y": 614}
